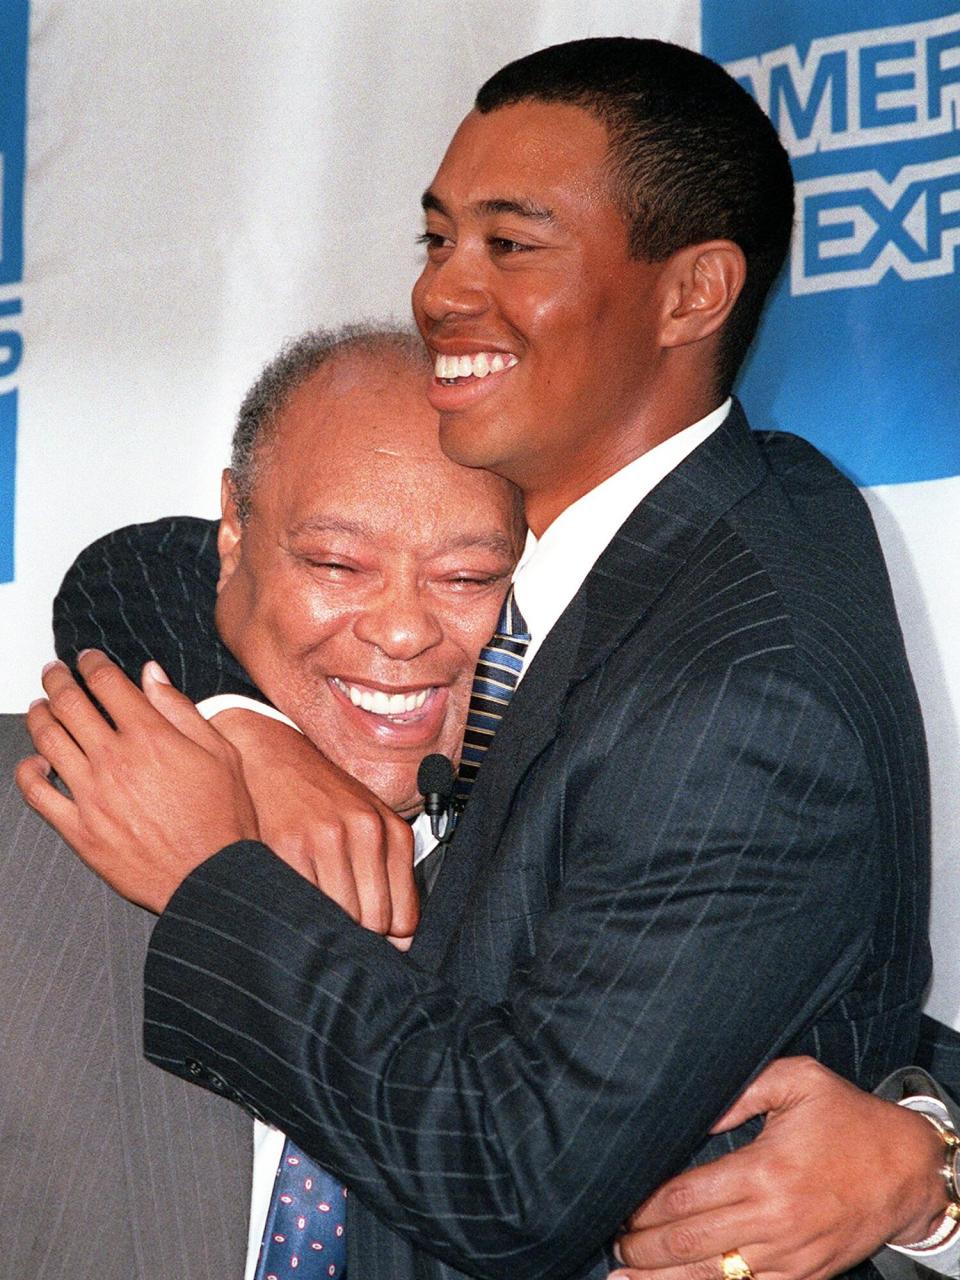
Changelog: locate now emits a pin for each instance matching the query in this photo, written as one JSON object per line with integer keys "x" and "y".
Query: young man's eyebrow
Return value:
{"x": 521, "y": 208}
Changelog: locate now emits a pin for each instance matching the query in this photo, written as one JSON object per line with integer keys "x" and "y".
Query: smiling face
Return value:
{"x": 368, "y": 574}
{"x": 545, "y": 332}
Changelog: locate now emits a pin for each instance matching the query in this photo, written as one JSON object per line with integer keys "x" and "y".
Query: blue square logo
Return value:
{"x": 14, "y": 32}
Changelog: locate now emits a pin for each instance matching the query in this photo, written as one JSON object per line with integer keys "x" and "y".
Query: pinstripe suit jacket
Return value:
{"x": 700, "y": 840}
{"x": 109, "y": 1168}
{"x": 938, "y": 1052}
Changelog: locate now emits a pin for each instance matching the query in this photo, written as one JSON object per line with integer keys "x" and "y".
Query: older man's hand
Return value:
{"x": 148, "y": 801}
{"x": 322, "y": 822}
{"x": 163, "y": 790}
{"x": 835, "y": 1174}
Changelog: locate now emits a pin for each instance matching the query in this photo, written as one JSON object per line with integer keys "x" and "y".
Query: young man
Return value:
{"x": 698, "y": 839}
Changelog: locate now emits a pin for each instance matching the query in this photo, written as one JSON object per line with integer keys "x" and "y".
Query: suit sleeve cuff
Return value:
{"x": 913, "y": 1088}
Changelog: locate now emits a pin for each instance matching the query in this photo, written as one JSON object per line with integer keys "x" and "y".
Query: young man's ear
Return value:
{"x": 706, "y": 280}
{"x": 230, "y": 532}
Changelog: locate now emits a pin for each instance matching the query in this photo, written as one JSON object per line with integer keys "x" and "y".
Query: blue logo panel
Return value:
{"x": 8, "y": 461}
{"x": 858, "y": 350}
{"x": 14, "y": 28}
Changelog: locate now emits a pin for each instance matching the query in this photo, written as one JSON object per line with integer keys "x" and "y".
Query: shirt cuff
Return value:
{"x": 947, "y": 1255}
{"x": 210, "y": 707}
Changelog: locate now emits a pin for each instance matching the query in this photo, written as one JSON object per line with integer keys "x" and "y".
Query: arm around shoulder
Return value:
{"x": 145, "y": 592}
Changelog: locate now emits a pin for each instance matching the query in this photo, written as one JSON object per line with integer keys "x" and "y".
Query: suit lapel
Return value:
{"x": 659, "y": 535}
{"x": 135, "y": 1172}
{"x": 529, "y": 726}
{"x": 631, "y": 574}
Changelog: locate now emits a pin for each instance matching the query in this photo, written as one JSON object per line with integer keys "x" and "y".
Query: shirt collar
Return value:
{"x": 553, "y": 567}
{"x": 424, "y": 841}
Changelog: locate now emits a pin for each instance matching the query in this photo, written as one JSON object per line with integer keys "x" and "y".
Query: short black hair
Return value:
{"x": 692, "y": 156}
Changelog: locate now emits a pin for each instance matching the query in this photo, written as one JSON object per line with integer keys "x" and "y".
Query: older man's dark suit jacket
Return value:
{"x": 700, "y": 840}
{"x": 109, "y": 1168}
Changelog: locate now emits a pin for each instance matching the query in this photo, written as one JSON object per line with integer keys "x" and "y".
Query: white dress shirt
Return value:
{"x": 553, "y": 567}
{"x": 267, "y": 1141}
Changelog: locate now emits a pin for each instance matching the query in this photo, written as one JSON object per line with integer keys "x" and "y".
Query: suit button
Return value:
{"x": 217, "y": 1082}
{"x": 194, "y": 1068}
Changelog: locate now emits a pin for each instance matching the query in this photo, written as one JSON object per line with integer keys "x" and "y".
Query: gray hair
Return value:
{"x": 297, "y": 361}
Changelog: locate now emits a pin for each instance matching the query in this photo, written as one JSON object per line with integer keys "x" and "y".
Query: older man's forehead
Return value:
{"x": 367, "y": 401}
{"x": 357, "y": 451}
{"x": 362, "y": 369}
{"x": 484, "y": 536}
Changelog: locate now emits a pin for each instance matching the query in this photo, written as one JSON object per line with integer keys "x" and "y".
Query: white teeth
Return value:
{"x": 446, "y": 368}
{"x": 380, "y": 703}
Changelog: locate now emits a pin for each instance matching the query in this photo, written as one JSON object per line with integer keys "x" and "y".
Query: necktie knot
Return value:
{"x": 511, "y": 624}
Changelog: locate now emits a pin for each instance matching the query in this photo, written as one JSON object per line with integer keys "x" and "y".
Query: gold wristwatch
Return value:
{"x": 950, "y": 1171}
{"x": 951, "y": 1165}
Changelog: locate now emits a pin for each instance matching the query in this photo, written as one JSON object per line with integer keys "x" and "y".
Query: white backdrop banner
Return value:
{"x": 204, "y": 178}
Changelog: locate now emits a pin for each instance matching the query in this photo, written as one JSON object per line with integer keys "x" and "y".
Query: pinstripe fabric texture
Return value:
{"x": 148, "y": 591}
{"x": 699, "y": 840}
{"x": 109, "y": 1168}
{"x": 939, "y": 1053}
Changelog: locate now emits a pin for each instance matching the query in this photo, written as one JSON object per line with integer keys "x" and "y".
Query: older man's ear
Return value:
{"x": 230, "y": 532}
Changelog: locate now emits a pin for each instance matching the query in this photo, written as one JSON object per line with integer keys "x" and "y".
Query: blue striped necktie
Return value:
{"x": 498, "y": 672}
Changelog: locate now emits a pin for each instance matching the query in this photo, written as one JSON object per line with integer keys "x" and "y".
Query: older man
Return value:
{"x": 715, "y": 729}
{"x": 343, "y": 581}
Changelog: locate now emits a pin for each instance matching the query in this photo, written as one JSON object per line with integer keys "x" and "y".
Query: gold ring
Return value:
{"x": 734, "y": 1266}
